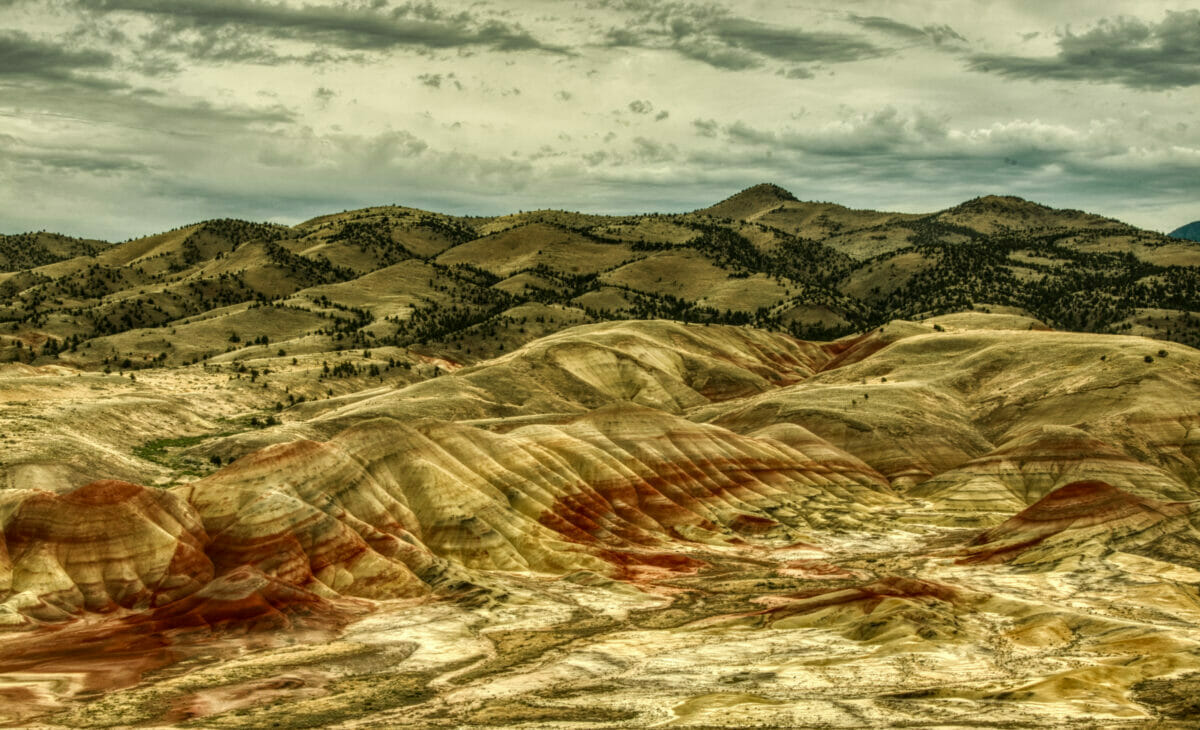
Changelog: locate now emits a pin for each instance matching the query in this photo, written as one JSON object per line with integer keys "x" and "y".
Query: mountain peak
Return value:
{"x": 1007, "y": 213}
{"x": 765, "y": 189}
{"x": 998, "y": 204}
{"x": 751, "y": 202}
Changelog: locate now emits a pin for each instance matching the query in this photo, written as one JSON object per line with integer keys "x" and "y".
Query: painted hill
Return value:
{"x": 707, "y": 490}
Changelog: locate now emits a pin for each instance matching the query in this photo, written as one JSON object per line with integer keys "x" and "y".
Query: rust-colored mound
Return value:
{"x": 1030, "y": 465}
{"x": 103, "y": 546}
{"x": 245, "y": 599}
{"x": 651, "y": 476}
{"x": 1081, "y": 504}
{"x": 855, "y": 348}
{"x": 888, "y": 609}
{"x": 310, "y": 515}
{"x": 868, "y": 596}
{"x": 1076, "y": 506}
{"x": 115, "y": 652}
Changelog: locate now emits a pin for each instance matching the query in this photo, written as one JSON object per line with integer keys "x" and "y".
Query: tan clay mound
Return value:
{"x": 1039, "y": 460}
{"x": 103, "y": 546}
{"x": 893, "y": 612}
{"x": 907, "y": 431}
{"x": 666, "y": 365}
{"x": 915, "y": 403}
{"x": 377, "y": 510}
{"x": 1076, "y": 511}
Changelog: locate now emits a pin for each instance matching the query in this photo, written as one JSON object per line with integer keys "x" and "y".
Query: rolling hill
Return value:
{"x": 1190, "y": 232}
{"x": 466, "y": 289}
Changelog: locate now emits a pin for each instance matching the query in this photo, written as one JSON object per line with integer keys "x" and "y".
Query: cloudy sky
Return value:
{"x": 126, "y": 117}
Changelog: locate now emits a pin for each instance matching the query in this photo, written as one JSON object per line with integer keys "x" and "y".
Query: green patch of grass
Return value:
{"x": 160, "y": 451}
{"x": 165, "y": 451}
{"x": 156, "y": 450}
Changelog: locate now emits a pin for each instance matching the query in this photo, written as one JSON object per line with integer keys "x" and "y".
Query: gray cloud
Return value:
{"x": 890, "y": 147}
{"x": 214, "y": 45}
{"x": 137, "y": 114}
{"x": 717, "y": 54}
{"x": 258, "y": 175}
{"x": 793, "y": 44}
{"x": 25, "y": 57}
{"x": 890, "y": 134}
{"x": 20, "y": 153}
{"x": 85, "y": 163}
{"x": 22, "y": 54}
{"x": 435, "y": 81}
{"x": 706, "y": 127}
{"x": 715, "y": 36}
{"x": 648, "y": 150}
{"x": 936, "y": 34}
{"x": 797, "y": 72}
{"x": 637, "y": 106}
{"x": 418, "y": 25}
{"x": 1126, "y": 51}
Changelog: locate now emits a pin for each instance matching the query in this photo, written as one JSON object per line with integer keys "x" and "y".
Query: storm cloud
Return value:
{"x": 23, "y": 57}
{"x": 721, "y": 39}
{"x": 936, "y": 34}
{"x": 1127, "y": 51}
{"x": 355, "y": 28}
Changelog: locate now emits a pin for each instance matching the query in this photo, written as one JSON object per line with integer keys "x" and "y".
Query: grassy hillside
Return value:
{"x": 465, "y": 288}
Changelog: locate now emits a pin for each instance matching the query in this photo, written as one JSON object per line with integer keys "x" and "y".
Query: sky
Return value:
{"x": 121, "y": 118}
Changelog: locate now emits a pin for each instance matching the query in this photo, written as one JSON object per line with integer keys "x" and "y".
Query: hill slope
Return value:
{"x": 466, "y": 289}
{"x": 1191, "y": 231}
{"x": 29, "y": 250}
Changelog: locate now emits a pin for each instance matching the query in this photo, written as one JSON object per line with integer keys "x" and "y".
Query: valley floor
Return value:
{"x": 931, "y": 644}
{"x": 972, "y": 521}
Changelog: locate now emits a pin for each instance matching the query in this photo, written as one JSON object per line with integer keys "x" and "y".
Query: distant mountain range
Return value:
{"x": 465, "y": 288}
{"x": 1190, "y": 232}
